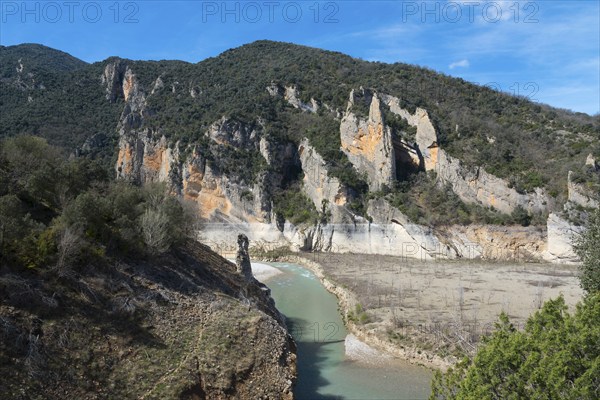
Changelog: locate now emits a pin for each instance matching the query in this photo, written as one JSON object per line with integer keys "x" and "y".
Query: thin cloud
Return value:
{"x": 459, "y": 64}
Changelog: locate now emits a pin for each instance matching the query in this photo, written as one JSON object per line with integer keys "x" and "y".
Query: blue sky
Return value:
{"x": 546, "y": 50}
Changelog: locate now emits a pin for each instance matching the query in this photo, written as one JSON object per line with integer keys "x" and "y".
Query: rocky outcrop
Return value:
{"x": 112, "y": 79}
{"x": 233, "y": 133}
{"x": 368, "y": 144}
{"x": 142, "y": 159}
{"x": 326, "y": 192}
{"x": 475, "y": 185}
{"x": 579, "y": 195}
{"x": 292, "y": 96}
{"x": 590, "y": 161}
{"x": 143, "y": 155}
{"x": 218, "y": 198}
{"x": 426, "y": 138}
{"x": 489, "y": 242}
{"x": 408, "y": 239}
{"x": 242, "y": 259}
{"x": 561, "y": 235}
{"x": 471, "y": 184}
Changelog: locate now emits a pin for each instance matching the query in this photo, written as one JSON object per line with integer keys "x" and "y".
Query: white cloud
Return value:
{"x": 462, "y": 63}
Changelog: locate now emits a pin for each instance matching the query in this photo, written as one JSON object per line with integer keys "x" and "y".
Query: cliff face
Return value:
{"x": 374, "y": 152}
{"x": 186, "y": 325}
{"x": 475, "y": 185}
{"x": 326, "y": 192}
{"x": 368, "y": 144}
{"x": 580, "y": 195}
{"x": 471, "y": 184}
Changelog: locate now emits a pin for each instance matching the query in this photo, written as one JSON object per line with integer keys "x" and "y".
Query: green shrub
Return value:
{"x": 556, "y": 356}
{"x": 358, "y": 315}
{"x": 293, "y": 205}
{"x": 587, "y": 247}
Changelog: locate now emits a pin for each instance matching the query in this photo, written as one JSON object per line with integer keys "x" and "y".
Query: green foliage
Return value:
{"x": 521, "y": 216}
{"x": 588, "y": 177}
{"x": 556, "y": 357}
{"x": 56, "y": 97}
{"x": 239, "y": 163}
{"x": 588, "y": 249}
{"x": 51, "y": 206}
{"x": 293, "y": 205}
{"x": 358, "y": 315}
{"x": 37, "y": 58}
{"x": 399, "y": 126}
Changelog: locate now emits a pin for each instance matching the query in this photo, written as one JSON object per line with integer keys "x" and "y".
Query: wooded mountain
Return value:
{"x": 233, "y": 133}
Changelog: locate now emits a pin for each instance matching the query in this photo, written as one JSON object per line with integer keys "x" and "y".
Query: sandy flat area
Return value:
{"x": 360, "y": 351}
{"x": 264, "y": 272}
{"x": 445, "y": 306}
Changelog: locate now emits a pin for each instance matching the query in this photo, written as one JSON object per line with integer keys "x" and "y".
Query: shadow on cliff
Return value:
{"x": 312, "y": 358}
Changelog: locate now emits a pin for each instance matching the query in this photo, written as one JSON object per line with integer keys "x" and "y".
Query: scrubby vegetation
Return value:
{"x": 58, "y": 212}
{"x": 293, "y": 205}
{"x": 358, "y": 315}
{"x": 588, "y": 250}
{"x": 423, "y": 201}
{"x": 102, "y": 294}
{"x": 555, "y": 357}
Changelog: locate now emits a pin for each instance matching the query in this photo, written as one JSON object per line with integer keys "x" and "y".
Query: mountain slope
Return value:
{"x": 230, "y": 133}
{"x": 35, "y": 58}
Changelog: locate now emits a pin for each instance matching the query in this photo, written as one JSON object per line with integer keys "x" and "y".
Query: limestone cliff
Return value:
{"x": 326, "y": 192}
{"x": 374, "y": 151}
{"x": 471, "y": 184}
{"x": 368, "y": 143}
{"x": 475, "y": 185}
{"x": 488, "y": 242}
{"x": 406, "y": 238}
{"x": 561, "y": 235}
{"x": 143, "y": 155}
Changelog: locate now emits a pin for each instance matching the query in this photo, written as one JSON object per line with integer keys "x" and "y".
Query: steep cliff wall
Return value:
{"x": 471, "y": 184}
{"x": 561, "y": 235}
{"x": 580, "y": 195}
{"x": 368, "y": 144}
{"x": 326, "y": 192}
{"x": 475, "y": 185}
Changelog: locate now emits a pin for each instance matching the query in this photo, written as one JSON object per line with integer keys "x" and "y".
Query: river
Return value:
{"x": 324, "y": 369}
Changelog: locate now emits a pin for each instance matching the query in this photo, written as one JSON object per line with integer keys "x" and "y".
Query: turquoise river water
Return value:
{"x": 324, "y": 370}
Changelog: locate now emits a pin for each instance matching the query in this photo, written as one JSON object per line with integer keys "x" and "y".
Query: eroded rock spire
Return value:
{"x": 243, "y": 258}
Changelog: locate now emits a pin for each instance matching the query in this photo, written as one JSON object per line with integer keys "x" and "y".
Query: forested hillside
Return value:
{"x": 49, "y": 93}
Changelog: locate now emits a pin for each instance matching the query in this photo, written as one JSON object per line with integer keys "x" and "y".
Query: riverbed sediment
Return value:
{"x": 348, "y": 300}
{"x": 434, "y": 313}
